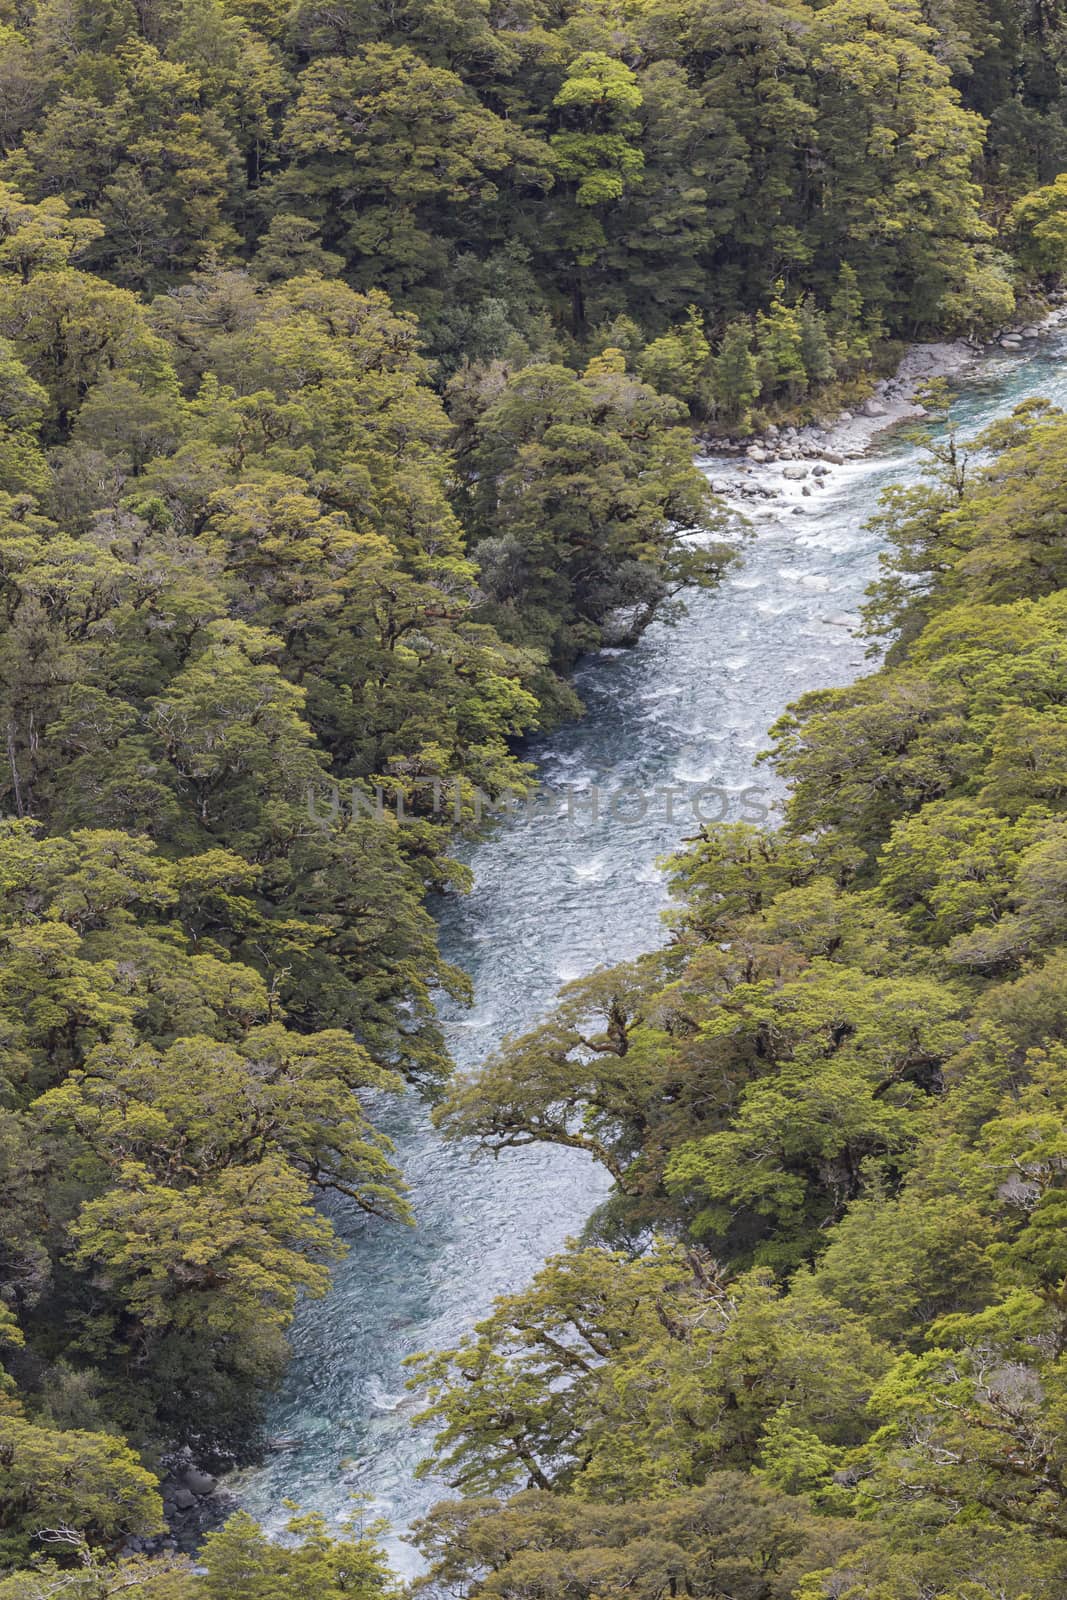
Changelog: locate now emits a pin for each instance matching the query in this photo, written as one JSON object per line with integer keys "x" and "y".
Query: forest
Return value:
{"x": 351, "y": 360}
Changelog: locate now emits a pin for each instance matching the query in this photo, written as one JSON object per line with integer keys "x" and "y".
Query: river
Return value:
{"x": 555, "y": 896}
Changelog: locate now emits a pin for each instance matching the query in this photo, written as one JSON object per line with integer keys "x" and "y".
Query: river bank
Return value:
{"x": 784, "y": 469}
{"x": 850, "y": 435}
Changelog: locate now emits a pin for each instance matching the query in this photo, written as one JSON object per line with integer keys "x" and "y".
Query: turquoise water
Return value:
{"x": 687, "y": 710}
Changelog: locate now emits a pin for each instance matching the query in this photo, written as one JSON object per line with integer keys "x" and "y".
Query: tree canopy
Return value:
{"x": 350, "y": 357}
{"x": 829, "y": 1281}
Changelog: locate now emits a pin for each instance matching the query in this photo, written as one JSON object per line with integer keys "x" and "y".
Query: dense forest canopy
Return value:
{"x": 350, "y": 356}
{"x": 816, "y": 1344}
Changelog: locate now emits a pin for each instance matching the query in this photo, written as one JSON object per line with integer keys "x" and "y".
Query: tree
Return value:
{"x": 780, "y": 350}
{"x": 616, "y": 1378}
{"x": 737, "y": 382}
{"x": 815, "y": 349}
{"x": 579, "y": 489}
{"x": 242, "y": 1562}
{"x": 22, "y": 405}
{"x": 203, "y": 1107}
{"x": 659, "y": 233}
{"x": 51, "y": 1479}
{"x": 731, "y": 1534}
{"x": 1039, "y": 222}
{"x": 851, "y": 342}
{"x": 751, "y": 64}
{"x": 904, "y": 1261}
{"x": 292, "y": 248}
{"x": 239, "y": 1559}
{"x": 198, "y": 1285}
{"x": 69, "y": 329}
{"x": 854, "y": 1062}
{"x": 155, "y": 167}
{"x": 677, "y": 363}
{"x": 594, "y": 151}
{"x": 952, "y": 867}
{"x": 231, "y": 724}
{"x": 900, "y": 204}
{"x": 41, "y": 238}
{"x": 286, "y": 575}
{"x": 421, "y": 148}
{"x": 979, "y": 1410}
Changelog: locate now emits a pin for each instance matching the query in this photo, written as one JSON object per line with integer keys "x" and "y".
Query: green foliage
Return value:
{"x": 599, "y": 98}
{"x": 848, "y": 1069}
{"x": 636, "y": 167}
{"x": 609, "y": 1378}
{"x": 308, "y": 1563}
{"x": 677, "y": 362}
{"x": 423, "y": 148}
{"x": 1039, "y": 223}
{"x": 247, "y": 552}
{"x": 732, "y": 1533}
{"x": 249, "y": 674}
{"x": 736, "y": 375}
{"x": 815, "y": 349}
{"x": 53, "y": 1479}
{"x": 780, "y": 347}
{"x": 311, "y": 1564}
{"x": 851, "y": 343}
{"x": 578, "y": 490}
{"x": 852, "y": 1063}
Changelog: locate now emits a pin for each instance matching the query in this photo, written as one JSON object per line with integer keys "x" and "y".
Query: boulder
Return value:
{"x": 820, "y": 470}
{"x": 199, "y": 1482}
{"x": 846, "y": 416}
{"x": 873, "y": 408}
{"x": 1010, "y": 342}
{"x": 795, "y": 470}
{"x": 184, "y": 1499}
{"x": 1030, "y": 332}
{"x": 756, "y": 453}
{"x": 835, "y": 456}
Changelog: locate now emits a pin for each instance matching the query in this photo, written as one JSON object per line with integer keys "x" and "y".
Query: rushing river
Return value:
{"x": 687, "y": 710}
